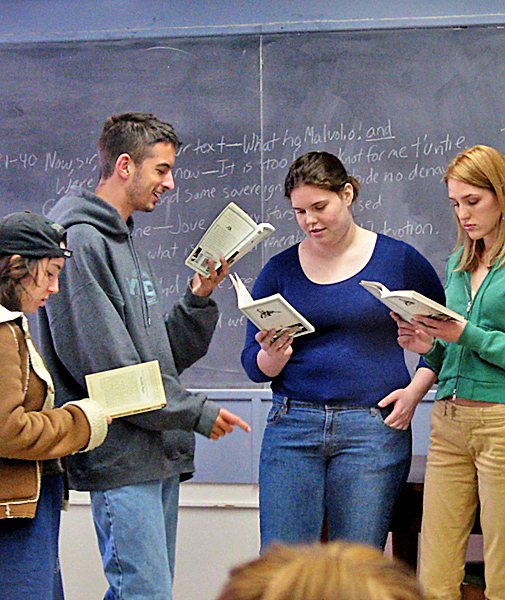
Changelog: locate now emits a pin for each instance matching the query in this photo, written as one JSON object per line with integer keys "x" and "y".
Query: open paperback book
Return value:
{"x": 272, "y": 312}
{"x": 408, "y": 303}
{"x": 232, "y": 234}
{"x": 128, "y": 390}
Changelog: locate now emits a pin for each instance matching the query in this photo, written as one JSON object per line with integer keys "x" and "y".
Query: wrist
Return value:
{"x": 422, "y": 382}
{"x": 431, "y": 344}
{"x": 270, "y": 365}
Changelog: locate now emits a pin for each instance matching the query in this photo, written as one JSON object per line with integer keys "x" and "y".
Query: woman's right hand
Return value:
{"x": 411, "y": 337}
{"x": 275, "y": 351}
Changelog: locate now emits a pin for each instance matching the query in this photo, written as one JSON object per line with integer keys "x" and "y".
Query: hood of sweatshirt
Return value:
{"x": 82, "y": 206}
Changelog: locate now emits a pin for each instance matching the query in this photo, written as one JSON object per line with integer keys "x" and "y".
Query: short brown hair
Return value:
{"x": 132, "y": 133}
{"x": 319, "y": 169}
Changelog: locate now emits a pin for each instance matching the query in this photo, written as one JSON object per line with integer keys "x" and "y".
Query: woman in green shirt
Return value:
{"x": 466, "y": 458}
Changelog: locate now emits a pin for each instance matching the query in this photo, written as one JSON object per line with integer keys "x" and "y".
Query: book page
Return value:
{"x": 227, "y": 235}
{"x": 375, "y": 288}
{"x": 262, "y": 231}
{"x": 128, "y": 390}
{"x": 400, "y": 308}
{"x": 413, "y": 303}
{"x": 243, "y": 295}
{"x": 275, "y": 312}
{"x": 408, "y": 303}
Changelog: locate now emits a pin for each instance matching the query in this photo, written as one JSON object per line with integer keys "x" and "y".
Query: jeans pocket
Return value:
{"x": 276, "y": 412}
{"x": 382, "y": 413}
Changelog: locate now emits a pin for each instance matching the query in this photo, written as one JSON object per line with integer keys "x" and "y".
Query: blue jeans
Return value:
{"x": 136, "y": 526}
{"x": 29, "y": 564}
{"x": 344, "y": 461}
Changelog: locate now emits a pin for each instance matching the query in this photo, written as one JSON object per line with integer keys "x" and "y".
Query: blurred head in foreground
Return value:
{"x": 335, "y": 571}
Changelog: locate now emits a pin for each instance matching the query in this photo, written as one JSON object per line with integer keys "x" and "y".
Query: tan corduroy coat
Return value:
{"x": 31, "y": 430}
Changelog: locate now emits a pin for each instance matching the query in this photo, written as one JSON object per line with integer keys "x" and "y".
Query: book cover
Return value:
{"x": 128, "y": 390}
{"x": 232, "y": 235}
{"x": 408, "y": 303}
{"x": 272, "y": 312}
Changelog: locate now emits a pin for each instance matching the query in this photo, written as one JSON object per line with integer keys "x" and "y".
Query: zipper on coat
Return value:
{"x": 468, "y": 292}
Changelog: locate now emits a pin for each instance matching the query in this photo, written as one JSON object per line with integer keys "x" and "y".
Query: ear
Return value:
{"x": 348, "y": 194}
{"x": 124, "y": 164}
{"x": 33, "y": 273}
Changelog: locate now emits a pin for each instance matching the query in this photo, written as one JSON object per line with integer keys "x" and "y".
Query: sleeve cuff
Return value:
{"x": 197, "y": 301}
{"x": 97, "y": 421}
{"x": 205, "y": 424}
{"x": 472, "y": 337}
{"x": 434, "y": 358}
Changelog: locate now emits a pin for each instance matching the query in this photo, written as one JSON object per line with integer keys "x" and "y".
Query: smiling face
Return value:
{"x": 324, "y": 216}
{"x": 151, "y": 178}
{"x": 38, "y": 286}
{"x": 477, "y": 210}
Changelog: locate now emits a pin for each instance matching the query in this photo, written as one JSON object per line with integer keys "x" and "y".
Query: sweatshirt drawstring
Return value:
{"x": 145, "y": 305}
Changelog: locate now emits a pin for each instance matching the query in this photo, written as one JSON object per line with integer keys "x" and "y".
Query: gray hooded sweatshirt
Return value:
{"x": 107, "y": 315}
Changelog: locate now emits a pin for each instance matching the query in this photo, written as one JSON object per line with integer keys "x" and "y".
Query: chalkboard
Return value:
{"x": 395, "y": 105}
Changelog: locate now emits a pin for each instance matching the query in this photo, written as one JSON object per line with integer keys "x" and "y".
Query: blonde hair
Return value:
{"x": 335, "y": 571}
{"x": 482, "y": 167}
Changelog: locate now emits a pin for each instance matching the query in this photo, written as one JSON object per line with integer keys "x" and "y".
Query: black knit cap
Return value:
{"x": 32, "y": 235}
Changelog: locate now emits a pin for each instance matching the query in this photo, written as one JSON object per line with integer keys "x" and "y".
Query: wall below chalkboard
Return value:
{"x": 234, "y": 459}
{"x": 395, "y": 105}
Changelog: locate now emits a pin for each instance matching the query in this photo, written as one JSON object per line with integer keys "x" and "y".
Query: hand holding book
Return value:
{"x": 204, "y": 285}
{"x": 277, "y": 351}
{"x": 432, "y": 320}
{"x": 412, "y": 338}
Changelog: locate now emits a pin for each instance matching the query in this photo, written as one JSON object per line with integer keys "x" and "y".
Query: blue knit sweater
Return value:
{"x": 353, "y": 357}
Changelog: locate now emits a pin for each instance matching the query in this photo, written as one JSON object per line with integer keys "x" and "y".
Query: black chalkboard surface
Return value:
{"x": 395, "y": 105}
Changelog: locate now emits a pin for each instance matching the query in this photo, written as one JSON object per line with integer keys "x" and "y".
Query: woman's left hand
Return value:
{"x": 407, "y": 399}
{"x": 405, "y": 405}
{"x": 447, "y": 331}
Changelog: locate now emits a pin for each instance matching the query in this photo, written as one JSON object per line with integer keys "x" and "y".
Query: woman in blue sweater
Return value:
{"x": 338, "y": 435}
{"x": 466, "y": 458}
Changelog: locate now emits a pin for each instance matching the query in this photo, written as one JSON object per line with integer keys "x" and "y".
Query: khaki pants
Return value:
{"x": 466, "y": 463}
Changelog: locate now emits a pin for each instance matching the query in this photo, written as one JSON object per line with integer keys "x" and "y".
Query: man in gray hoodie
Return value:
{"x": 107, "y": 316}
